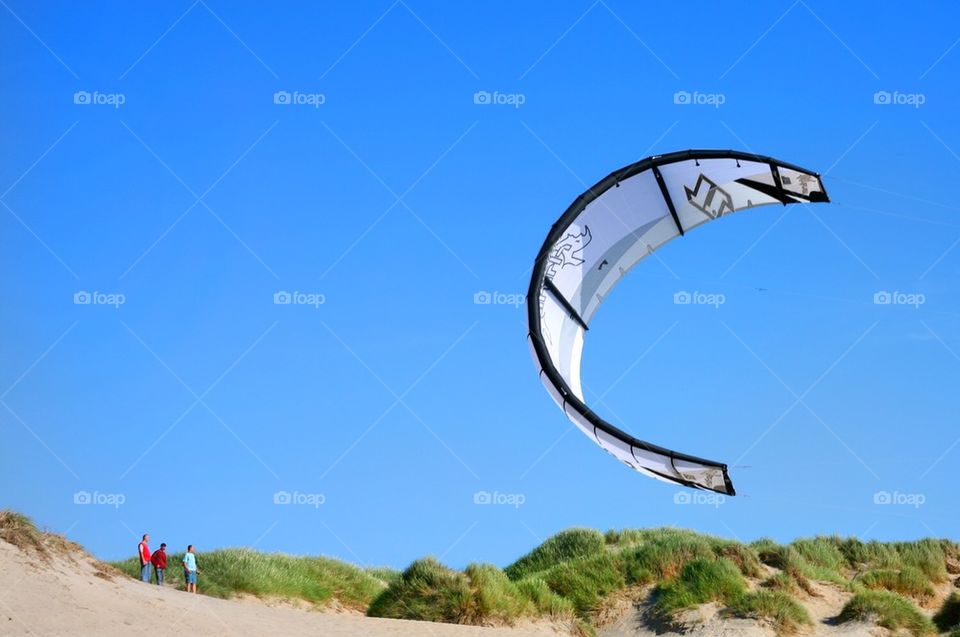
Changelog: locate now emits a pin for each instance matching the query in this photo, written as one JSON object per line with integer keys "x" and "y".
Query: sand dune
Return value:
{"x": 76, "y": 597}
{"x": 51, "y": 586}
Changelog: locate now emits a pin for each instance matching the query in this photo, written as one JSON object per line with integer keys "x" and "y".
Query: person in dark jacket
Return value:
{"x": 159, "y": 561}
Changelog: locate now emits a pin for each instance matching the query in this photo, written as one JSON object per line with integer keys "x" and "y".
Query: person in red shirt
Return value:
{"x": 144, "y": 552}
{"x": 159, "y": 561}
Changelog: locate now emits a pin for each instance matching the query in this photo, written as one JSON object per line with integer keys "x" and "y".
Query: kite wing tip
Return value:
{"x": 728, "y": 483}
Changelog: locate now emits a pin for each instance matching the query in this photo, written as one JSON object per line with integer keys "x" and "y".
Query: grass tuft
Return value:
{"x": 909, "y": 582}
{"x": 888, "y": 610}
{"x": 494, "y": 599}
{"x": 781, "y": 610}
{"x": 745, "y": 559}
{"x": 662, "y": 554}
{"x": 481, "y": 595}
{"x": 19, "y": 530}
{"x": 792, "y": 559}
{"x": 700, "y": 581}
{"x": 544, "y": 599}
{"x": 585, "y": 581}
{"x": 426, "y": 590}
{"x": 564, "y": 546}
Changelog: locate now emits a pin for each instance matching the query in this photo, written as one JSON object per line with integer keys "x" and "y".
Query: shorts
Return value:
{"x": 190, "y": 577}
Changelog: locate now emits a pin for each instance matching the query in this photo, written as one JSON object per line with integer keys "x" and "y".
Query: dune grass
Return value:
{"x": 888, "y": 610}
{"x": 385, "y": 574}
{"x": 783, "y": 582}
{"x": 547, "y": 602}
{"x": 580, "y": 570}
{"x": 909, "y": 582}
{"x": 821, "y": 553}
{"x": 480, "y": 595}
{"x": 701, "y": 581}
{"x": 562, "y": 547}
{"x": 803, "y": 561}
{"x": 578, "y": 575}
{"x": 663, "y": 553}
{"x": 948, "y": 617}
{"x": 585, "y": 581}
{"x": 785, "y": 614}
{"x": 19, "y": 530}
{"x": 229, "y": 572}
{"x": 427, "y": 591}
{"x": 928, "y": 555}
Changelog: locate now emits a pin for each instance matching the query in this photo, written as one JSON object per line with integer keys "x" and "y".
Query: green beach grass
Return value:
{"x": 318, "y": 580}
{"x": 577, "y": 576}
{"x": 784, "y": 613}
{"x": 888, "y": 610}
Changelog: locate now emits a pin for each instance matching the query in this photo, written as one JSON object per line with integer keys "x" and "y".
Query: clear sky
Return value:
{"x": 182, "y": 163}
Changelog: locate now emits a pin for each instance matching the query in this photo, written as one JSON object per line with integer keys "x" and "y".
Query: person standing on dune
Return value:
{"x": 144, "y": 552}
{"x": 159, "y": 561}
{"x": 190, "y": 569}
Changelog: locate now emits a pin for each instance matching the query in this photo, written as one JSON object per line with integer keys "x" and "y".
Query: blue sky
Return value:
{"x": 178, "y": 190}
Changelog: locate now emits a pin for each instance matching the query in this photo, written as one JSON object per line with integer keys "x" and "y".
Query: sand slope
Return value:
{"x": 68, "y": 597}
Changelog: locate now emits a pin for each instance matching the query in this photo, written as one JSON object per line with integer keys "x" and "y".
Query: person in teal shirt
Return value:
{"x": 190, "y": 569}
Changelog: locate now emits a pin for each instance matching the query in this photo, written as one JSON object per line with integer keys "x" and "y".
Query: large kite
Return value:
{"x": 609, "y": 229}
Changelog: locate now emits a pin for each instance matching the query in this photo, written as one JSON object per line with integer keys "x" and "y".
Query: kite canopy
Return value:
{"x": 608, "y": 230}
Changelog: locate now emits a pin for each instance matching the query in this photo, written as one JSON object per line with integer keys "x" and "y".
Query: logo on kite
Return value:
{"x": 803, "y": 187}
{"x": 709, "y": 198}
{"x": 567, "y": 251}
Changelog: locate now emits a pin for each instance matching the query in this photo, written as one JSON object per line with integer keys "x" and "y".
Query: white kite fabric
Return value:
{"x": 608, "y": 230}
